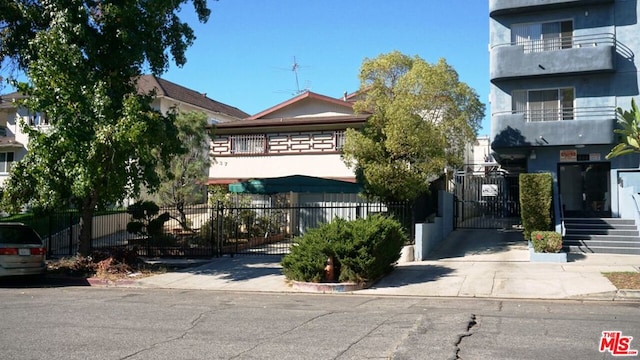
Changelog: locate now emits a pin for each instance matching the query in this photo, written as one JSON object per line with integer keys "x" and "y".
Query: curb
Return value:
{"x": 327, "y": 287}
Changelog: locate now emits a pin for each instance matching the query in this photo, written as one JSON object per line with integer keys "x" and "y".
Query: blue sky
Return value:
{"x": 244, "y": 54}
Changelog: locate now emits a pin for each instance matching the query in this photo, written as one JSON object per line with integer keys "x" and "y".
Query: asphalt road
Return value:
{"x": 122, "y": 323}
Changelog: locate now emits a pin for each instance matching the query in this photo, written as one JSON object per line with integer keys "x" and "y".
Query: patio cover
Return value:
{"x": 294, "y": 183}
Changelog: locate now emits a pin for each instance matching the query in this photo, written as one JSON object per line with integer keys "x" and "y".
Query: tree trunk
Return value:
{"x": 86, "y": 220}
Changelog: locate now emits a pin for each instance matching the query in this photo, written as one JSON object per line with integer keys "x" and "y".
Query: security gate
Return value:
{"x": 486, "y": 200}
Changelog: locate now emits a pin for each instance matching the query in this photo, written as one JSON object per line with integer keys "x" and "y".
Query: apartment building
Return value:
{"x": 14, "y": 142}
{"x": 559, "y": 69}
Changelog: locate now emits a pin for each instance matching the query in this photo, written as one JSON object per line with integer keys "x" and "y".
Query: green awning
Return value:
{"x": 294, "y": 183}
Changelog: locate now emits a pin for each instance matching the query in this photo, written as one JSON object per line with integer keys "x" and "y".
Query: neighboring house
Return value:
{"x": 169, "y": 94}
{"x": 558, "y": 71}
{"x": 301, "y": 136}
{"x": 478, "y": 158}
{"x": 13, "y": 142}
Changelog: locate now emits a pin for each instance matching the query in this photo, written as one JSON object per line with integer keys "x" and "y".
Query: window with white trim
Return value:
{"x": 546, "y": 36}
{"x": 6, "y": 161}
{"x": 544, "y": 105}
{"x": 248, "y": 144}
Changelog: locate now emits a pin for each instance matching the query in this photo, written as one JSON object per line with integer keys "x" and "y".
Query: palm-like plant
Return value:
{"x": 629, "y": 132}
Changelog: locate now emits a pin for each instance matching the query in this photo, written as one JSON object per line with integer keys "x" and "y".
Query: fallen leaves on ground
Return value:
{"x": 624, "y": 280}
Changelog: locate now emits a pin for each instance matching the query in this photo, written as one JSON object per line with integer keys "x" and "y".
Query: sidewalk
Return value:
{"x": 471, "y": 263}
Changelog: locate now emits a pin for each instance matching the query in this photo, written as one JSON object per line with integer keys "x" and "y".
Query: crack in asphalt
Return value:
{"x": 193, "y": 323}
{"x": 362, "y": 337}
{"x": 281, "y": 334}
{"x": 472, "y": 323}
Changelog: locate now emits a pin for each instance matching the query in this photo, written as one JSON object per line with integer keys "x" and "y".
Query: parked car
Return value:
{"x": 21, "y": 250}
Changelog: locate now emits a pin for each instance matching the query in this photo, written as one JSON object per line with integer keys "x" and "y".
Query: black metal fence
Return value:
{"x": 206, "y": 231}
{"x": 489, "y": 201}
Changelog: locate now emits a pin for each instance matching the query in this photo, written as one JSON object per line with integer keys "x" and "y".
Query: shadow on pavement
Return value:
{"x": 415, "y": 274}
{"x": 46, "y": 281}
{"x": 240, "y": 268}
{"x": 464, "y": 242}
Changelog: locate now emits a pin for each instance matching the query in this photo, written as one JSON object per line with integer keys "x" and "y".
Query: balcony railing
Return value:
{"x": 561, "y": 114}
{"x": 563, "y": 42}
{"x": 595, "y": 53}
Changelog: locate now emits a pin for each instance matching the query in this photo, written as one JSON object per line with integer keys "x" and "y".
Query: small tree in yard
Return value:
{"x": 422, "y": 116}
{"x": 146, "y": 219}
{"x": 536, "y": 194}
{"x": 184, "y": 182}
{"x": 82, "y": 60}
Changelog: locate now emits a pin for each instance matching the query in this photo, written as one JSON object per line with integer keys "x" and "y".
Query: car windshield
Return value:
{"x": 18, "y": 235}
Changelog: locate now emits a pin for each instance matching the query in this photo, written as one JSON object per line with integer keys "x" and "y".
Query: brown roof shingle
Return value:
{"x": 163, "y": 87}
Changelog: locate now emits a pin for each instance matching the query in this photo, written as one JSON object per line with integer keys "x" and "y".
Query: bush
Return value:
{"x": 362, "y": 250}
{"x": 546, "y": 241}
{"x": 535, "y": 202}
{"x": 309, "y": 254}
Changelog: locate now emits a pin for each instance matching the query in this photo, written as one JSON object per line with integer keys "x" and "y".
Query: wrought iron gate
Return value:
{"x": 486, "y": 200}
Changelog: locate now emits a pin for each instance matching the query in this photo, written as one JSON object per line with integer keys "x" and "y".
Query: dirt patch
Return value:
{"x": 624, "y": 280}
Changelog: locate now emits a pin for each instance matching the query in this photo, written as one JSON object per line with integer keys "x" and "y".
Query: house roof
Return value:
{"x": 296, "y": 121}
{"x": 6, "y": 100}
{"x": 164, "y": 88}
{"x": 304, "y": 96}
{"x": 147, "y": 83}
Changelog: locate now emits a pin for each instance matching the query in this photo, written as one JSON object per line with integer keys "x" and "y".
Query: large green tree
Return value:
{"x": 628, "y": 131}
{"x": 422, "y": 116}
{"x": 184, "y": 183}
{"x": 82, "y": 59}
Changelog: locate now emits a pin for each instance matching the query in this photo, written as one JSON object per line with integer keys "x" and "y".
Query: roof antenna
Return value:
{"x": 294, "y": 68}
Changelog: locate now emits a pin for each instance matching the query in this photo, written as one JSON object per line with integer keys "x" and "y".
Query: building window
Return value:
{"x": 543, "y": 36}
{"x": 340, "y": 137}
{"x": 544, "y": 105}
{"x": 6, "y": 160}
{"x": 38, "y": 119}
{"x": 248, "y": 144}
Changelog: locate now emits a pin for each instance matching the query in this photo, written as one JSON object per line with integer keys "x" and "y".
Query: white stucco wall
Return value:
{"x": 251, "y": 167}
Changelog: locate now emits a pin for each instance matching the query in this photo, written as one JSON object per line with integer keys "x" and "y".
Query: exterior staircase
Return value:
{"x": 601, "y": 235}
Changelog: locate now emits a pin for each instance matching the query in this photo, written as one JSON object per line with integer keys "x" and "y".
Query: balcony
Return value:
{"x": 579, "y": 126}
{"x": 501, "y": 7}
{"x": 559, "y": 56}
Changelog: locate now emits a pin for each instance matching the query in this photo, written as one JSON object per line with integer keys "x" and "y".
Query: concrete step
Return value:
{"x": 580, "y": 249}
{"x": 598, "y": 221}
{"x": 615, "y": 232}
{"x": 603, "y": 242}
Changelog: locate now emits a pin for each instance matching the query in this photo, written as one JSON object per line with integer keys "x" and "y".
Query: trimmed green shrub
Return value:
{"x": 309, "y": 254}
{"x": 536, "y": 193}
{"x": 546, "y": 241}
{"x": 363, "y": 250}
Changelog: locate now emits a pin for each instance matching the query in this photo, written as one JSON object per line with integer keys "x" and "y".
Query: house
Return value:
{"x": 558, "y": 71}
{"x": 13, "y": 142}
{"x": 302, "y": 136}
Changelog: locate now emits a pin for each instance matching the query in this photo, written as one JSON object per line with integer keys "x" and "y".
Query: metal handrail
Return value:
{"x": 573, "y": 113}
{"x": 564, "y": 42}
{"x": 562, "y": 228}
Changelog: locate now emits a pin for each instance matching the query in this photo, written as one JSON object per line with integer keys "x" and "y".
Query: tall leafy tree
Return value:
{"x": 628, "y": 131}
{"x": 185, "y": 181}
{"x": 422, "y": 116}
{"x": 82, "y": 59}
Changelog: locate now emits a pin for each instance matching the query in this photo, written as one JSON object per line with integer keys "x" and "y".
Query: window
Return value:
{"x": 38, "y": 119}
{"x": 248, "y": 144}
{"x": 543, "y": 36}
{"x": 339, "y": 140}
{"x": 544, "y": 105}
{"x": 6, "y": 160}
